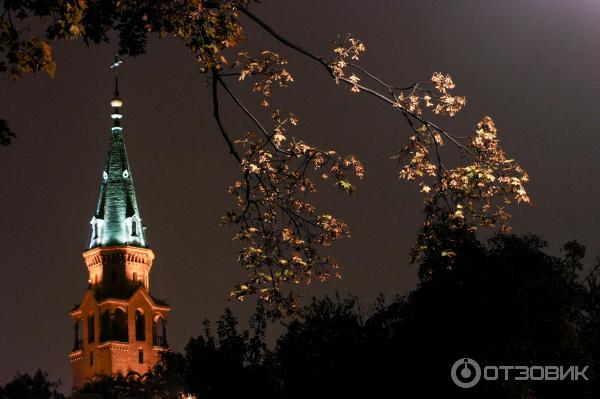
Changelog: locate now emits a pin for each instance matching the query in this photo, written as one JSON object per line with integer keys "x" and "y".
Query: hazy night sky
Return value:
{"x": 531, "y": 65}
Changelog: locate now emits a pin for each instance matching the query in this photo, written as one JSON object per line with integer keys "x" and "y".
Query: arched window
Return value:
{"x": 134, "y": 228}
{"x": 119, "y": 326}
{"x": 159, "y": 332}
{"x": 105, "y": 326}
{"x": 78, "y": 341}
{"x": 140, "y": 326}
{"x": 90, "y": 328}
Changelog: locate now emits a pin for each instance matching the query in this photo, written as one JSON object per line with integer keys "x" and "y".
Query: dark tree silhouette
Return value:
{"x": 119, "y": 386}
{"x": 168, "y": 379}
{"x": 24, "y": 386}
{"x": 504, "y": 303}
{"x": 508, "y": 303}
{"x": 230, "y": 363}
{"x": 6, "y": 135}
{"x": 322, "y": 354}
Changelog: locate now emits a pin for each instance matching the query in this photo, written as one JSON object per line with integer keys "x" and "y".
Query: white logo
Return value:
{"x": 465, "y": 372}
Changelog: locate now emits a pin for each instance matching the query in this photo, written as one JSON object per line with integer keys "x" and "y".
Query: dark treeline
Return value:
{"x": 505, "y": 302}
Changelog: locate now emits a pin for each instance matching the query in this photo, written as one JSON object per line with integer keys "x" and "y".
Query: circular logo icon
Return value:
{"x": 465, "y": 373}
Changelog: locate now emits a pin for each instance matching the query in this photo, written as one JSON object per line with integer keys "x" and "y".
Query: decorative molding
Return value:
{"x": 113, "y": 346}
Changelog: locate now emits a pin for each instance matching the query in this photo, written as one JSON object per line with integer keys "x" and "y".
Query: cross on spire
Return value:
{"x": 118, "y": 61}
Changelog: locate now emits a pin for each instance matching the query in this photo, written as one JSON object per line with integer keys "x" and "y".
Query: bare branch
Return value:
{"x": 217, "y": 116}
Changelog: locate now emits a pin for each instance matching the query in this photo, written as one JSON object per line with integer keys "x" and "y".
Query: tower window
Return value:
{"x": 119, "y": 331}
{"x": 78, "y": 344}
{"x": 140, "y": 356}
{"x": 159, "y": 332}
{"x": 90, "y": 328}
{"x": 135, "y": 277}
{"x": 140, "y": 326}
{"x": 113, "y": 276}
{"x": 134, "y": 228}
{"x": 105, "y": 326}
{"x": 91, "y": 358}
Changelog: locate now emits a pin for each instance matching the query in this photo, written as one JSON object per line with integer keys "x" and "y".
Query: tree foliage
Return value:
{"x": 25, "y": 386}
{"x": 6, "y": 135}
{"x": 283, "y": 235}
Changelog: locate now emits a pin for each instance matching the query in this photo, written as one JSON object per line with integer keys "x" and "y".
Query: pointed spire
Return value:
{"x": 117, "y": 219}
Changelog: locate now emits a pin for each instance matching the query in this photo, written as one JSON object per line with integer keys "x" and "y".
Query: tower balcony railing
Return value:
{"x": 116, "y": 338}
{"x": 157, "y": 340}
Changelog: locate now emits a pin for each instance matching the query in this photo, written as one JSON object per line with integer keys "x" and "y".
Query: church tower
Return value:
{"x": 118, "y": 327}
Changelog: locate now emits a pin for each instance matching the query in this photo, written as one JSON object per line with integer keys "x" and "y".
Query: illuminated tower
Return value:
{"x": 118, "y": 327}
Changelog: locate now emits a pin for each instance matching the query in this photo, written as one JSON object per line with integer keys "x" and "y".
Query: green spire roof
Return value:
{"x": 117, "y": 219}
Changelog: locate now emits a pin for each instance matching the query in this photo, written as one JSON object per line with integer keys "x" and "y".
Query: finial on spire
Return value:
{"x": 116, "y": 102}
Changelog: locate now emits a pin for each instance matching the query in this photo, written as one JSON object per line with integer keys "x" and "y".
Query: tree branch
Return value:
{"x": 249, "y": 114}
{"x": 282, "y": 39}
{"x": 217, "y": 116}
{"x": 324, "y": 63}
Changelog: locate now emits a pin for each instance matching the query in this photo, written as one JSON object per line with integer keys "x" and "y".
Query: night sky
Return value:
{"x": 530, "y": 64}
